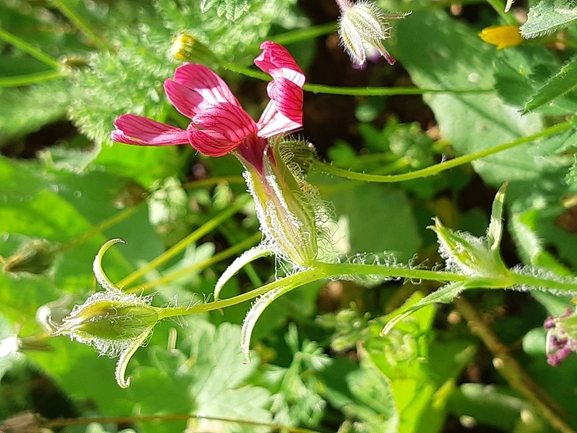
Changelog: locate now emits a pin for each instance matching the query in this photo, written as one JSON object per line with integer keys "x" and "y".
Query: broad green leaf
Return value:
{"x": 441, "y": 53}
{"x": 362, "y": 207}
{"x": 563, "y": 82}
{"x": 548, "y": 16}
{"x": 231, "y": 9}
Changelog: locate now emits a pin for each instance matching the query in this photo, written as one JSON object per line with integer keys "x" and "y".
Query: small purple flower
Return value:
{"x": 561, "y": 341}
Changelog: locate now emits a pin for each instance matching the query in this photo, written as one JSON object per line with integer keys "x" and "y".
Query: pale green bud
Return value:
{"x": 113, "y": 322}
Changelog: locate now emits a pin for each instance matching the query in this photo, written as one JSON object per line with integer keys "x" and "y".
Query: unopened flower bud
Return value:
{"x": 34, "y": 257}
{"x": 362, "y": 28}
{"x": 468, "y": 254}
{"x": 187, "y": 48}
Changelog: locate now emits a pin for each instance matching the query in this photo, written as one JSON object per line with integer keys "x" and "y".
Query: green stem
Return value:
{"x": 351, "y": 91}
{"x": 26, "y": 80}
{"x": 384, "y": 91}
{"x": 194, "y": 236}
{"x": 104, "y": 225}
{"x": 334, "y": 270}
{"x": 29, "y": 49}
{"x": 296, "y": 280}
{"x": 81, "y": 24}
{"x": 235, "y": 249}
{"x": 437, "y": 168}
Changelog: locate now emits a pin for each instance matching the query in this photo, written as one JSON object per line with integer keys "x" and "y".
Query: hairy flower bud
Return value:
{"x": 362, "y": 28}
{"x": 114, "y": 322}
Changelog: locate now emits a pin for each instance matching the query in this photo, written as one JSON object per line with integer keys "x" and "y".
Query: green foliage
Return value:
{"x": 369, "y": 354}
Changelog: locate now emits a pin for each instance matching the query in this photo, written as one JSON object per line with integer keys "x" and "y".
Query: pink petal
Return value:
{"x": 133, "y": 129}
{"x": 185, "y": 100}
{"x": 220, "y": 129}
{"x": 206, "y": 83}
{"x": 210, "y": 143}
{"x": 284, "y": 112}
{"x": 276, "y": 61}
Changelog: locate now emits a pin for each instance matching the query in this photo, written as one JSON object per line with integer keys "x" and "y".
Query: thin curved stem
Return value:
{"x": 235, "y": 249}
{"x": 211, "y": 181}
{"x": 194, "y": 236}
{"x": 99, "y": 228}
{"x": 437, "y": 168}
{"x": 29, "y": 49}
{"x": 81, "y": 24}
{"x": 28, "y": 79}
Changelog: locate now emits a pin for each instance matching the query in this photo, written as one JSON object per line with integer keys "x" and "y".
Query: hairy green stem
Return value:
{"x": 81, "y": 24}
{"x": 26, "y": 80}
{"x": 335, "y": 270}
{"x": 194, "y": 236}
{"x": 30, "y": 49}
{"x": 437, "y": 168}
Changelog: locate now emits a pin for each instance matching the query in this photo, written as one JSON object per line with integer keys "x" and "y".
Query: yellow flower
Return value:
{"x": 502, "y": 36}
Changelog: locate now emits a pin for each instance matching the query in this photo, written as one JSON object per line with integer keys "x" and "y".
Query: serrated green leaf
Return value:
{"x": 231, "y": 9}
{"x": 563, "y": 82}
{"x": 548, "y": 16}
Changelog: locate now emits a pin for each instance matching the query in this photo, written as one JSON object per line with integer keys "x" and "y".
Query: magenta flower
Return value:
{"x": 219, "y": 125}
